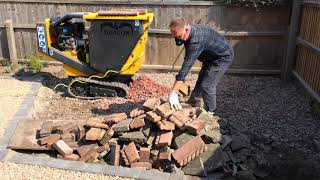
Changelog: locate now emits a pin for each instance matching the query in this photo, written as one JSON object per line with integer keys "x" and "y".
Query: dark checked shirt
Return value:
{"x": 208, "y": 46}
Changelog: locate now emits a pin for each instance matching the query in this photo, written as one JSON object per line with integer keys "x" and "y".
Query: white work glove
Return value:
{"x": 174, "y": 100}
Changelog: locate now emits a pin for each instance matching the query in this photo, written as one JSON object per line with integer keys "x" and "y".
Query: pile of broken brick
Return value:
{"x": 153, "y": 137}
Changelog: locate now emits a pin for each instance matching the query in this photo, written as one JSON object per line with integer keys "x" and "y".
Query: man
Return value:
{"x": 203, "y": 43}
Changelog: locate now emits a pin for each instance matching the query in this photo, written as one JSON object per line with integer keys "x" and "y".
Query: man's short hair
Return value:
{"x": 179, "y": 22}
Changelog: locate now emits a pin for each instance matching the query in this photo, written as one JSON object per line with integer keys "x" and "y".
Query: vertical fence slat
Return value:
{"x": 291, "y": 50}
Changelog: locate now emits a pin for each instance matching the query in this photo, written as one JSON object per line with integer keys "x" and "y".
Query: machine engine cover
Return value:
{"x": 111, "y": 42}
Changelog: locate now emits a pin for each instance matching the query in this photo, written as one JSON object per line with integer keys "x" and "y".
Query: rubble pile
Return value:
{"x": 144, "y": 87}
{"x": 153, "y": 137}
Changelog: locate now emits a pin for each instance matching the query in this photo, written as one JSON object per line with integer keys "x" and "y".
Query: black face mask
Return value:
{"x": 179, "y": 42}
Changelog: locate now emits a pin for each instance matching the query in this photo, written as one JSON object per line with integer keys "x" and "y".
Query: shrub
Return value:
{"x": 35, "y": 63}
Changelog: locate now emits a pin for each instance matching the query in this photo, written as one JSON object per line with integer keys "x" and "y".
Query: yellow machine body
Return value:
{"x": 131, "y": 65}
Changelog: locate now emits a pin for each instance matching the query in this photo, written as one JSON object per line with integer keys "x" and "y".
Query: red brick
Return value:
{"x": 185, "y": 89}
{"x": 196, "y": 126}
{"x": 46, "y": 128}
{"x": 49, "y": 139}
{"x": 91, "y": 153}
{"x": 67, "y": 128}
{"x": 142, "y": 165}
{"x": 124, "y": 158}
{"x": 177, "y": 122}
{"x": 115, "y": 155}
{"x": 165, "y": 125}
{"x": 97, "y": 125}
{"x": 164, "y": 138}
{"x": 165, "y": 156}
{"x": 189, "y": 151}
{"x": 152, "y": 116}
{"x": 132, "y": 153}
{"x": 151, "y": 104}
{"x": 73, "y": 144}
{"x": 117, "y": 117}
{"x": 137, "y": 122}
{"x": 144, "y": 154}
{"x": 62, "y": 148}
{"x": 68, "y": 137}
{"x": 72, "y": 157}
{"x": 164, "y": 110}
{"x": 94, "y": 134}
{"x": 136, "y": 112}
{"x": 179, "y": 118}
{"x": 83, "y": 150}
{"x": 122, "y": 126}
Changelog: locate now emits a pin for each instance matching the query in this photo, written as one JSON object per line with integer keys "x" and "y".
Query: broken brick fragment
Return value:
{"x": 144, "y": 154}
{"x": 46, "y": 128}
{"x": 137, "y": 122}
{"x": 135, "y": 136}
{"x": 67, "y": 128}
{"x": 115, "y": 118}
{"x": 165, "y": 125}
{"x": 97, "y": 125}
{"x": 189, "y": 151}
{"x": 49, "y": 139}
{"x": 136, "y": 112}
{"x": 152, "y": 116}
{"x": 164, "y": 138}
{"x": 62, "y": 148}
{"x": 72, "y": 157}
{"x": 164, "y": 110}
{"x": 94, "y": 134}
{"x": 165, "y": 156}
{"x": 73, "y": 144}
{"x": 184, "y": 89}
{"x": 182, "y": 116}
{"x": 83, "y": 150}
{"x": 122, "y": 126}
{"x": 151, "y": 104}
{"x": 142, "y": 165}
{"x": 196, "y": 126}
{"x": 87, "y": 153}
{"x": 68, "y": 137}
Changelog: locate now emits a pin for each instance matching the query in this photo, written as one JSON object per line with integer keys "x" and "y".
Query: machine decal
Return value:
{"x": 42, "y": 44}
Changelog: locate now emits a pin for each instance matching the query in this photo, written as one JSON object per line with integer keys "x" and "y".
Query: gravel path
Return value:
{"x": 12, "y": 92}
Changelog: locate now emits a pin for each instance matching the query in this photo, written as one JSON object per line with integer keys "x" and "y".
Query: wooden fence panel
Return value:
{"x": 259, "y": 37}
{"x": 307, "y": 65}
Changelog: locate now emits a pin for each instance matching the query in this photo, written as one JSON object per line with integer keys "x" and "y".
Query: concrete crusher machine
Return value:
{"x": 101, "y": 51}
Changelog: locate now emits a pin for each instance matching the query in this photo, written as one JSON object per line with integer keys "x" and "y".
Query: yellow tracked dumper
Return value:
{"x": 101, "y": 51}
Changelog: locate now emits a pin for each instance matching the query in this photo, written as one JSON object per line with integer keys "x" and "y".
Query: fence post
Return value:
{"x": 287, "y": 66}
{"x": 11, "y": 43}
